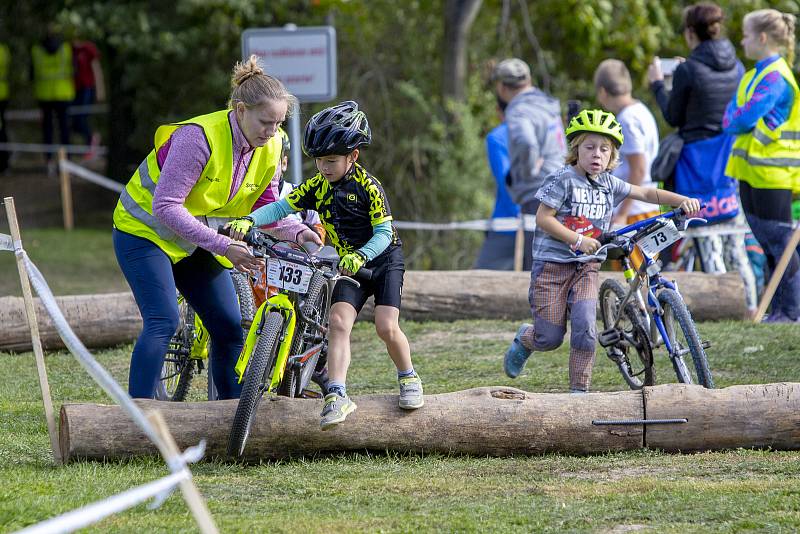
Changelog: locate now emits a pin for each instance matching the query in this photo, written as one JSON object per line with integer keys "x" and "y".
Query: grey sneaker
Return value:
{"x": 411, "y": 393}
{"x": 336, "y": 410}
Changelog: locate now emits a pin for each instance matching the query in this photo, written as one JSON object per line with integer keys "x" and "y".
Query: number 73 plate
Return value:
{"x": 288, "y": 275}
{"x": 659, "y": 238}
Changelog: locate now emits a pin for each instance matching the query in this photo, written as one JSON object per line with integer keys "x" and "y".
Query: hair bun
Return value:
{"x": 245, "y": 70}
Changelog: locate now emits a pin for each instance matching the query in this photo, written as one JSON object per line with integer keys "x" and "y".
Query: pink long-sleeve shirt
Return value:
{"x": 182, "y": 160}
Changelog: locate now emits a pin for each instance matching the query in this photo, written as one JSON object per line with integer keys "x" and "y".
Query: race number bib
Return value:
{"x": 659, "y": 238}
{"x": 288, "y": 275}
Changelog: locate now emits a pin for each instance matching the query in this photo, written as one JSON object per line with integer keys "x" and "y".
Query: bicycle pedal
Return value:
{"x": 705, "y": 344}
{"x": 310, "y": 394}
{"x": 609, "y": 337}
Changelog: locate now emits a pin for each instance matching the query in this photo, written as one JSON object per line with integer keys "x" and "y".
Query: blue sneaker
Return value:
{"x": 516, "y": 355}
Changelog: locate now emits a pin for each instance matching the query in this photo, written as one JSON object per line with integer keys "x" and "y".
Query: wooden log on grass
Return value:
{"x": 488, "y": 421}
{"x": 98, "y": 320}
{"x": 108, "y": 319}
{"x": 496, "y": 421}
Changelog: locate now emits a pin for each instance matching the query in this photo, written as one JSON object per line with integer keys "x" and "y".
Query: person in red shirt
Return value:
{"x": 89, "y": 88}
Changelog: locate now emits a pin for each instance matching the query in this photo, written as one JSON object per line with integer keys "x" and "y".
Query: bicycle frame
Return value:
{"x": 282, "y": 304}
{"x": 649, "y": 273}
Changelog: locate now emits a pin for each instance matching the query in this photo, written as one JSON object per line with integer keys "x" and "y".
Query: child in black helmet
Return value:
{"x": 577, "y": 202}
{"x": 355, "y": 214}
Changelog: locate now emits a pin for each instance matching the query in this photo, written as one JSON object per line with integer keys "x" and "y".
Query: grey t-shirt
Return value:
{"x": 582, "y": 205}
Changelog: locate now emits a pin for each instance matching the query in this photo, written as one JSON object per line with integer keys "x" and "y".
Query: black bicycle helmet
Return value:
{"x": 336, "y": 130}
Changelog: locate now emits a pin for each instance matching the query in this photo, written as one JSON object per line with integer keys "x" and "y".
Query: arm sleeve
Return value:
{"x": 271, "y": 212}
{"x": 381, "y": 237}
{"x": 284, "y": 228}
{"x": 522, "y": 140}
{"x": 619, "y": 189}
{"x": 673, "y": 103}
{"x": 499, "y": 161}
{"x": 553, "y": 192}
{"x": 742, "y": 119}
{"x": 186, "y": 156}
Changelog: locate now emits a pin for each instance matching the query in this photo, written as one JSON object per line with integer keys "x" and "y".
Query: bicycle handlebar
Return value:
{"x": 261, "y": 240}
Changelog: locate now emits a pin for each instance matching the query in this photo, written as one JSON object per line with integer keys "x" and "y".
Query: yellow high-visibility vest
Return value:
{"x": 208, "y": 200}
{"x": 765, "y": 158}
{"x": 5, "y": 63}
{"x": 53, "y": 74}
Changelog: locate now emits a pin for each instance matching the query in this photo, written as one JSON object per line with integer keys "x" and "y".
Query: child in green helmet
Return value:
{"x": 576, "y": 207}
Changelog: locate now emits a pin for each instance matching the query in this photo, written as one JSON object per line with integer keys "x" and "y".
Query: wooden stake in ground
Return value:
{"x": 777, "y": 274}
{"x": 519, "y": 243}
{"x": 33, "y": 324}
{"x": 66, "y": 191}
{"x": 190, "y": 492}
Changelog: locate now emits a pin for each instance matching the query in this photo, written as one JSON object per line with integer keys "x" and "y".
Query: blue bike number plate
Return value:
{"x": 659, "y": 239}
{"x": 288, "y": 275}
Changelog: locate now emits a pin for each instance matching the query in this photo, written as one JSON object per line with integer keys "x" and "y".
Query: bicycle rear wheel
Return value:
{"x": 315, "y": 306}
{"x": 256, "y": 379}
{"x": 638, "y": 370}
{"x": 684, "y": 338}
{"x": 177, "y": 370}
{"x": 244, "y": 293}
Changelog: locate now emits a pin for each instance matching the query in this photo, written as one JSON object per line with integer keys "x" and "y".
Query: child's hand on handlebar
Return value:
{"x": 691, "y": 207}
{"x": 241, "y": 258}
{"x": 237, "y": 228}
{"x": 588, "y": 245}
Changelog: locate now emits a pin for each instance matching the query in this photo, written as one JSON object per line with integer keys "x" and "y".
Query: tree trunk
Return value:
{"x": 113, "y": 318}
{"x": 453, "y": 295}
{"x": 761, "y": 415}
{"x": 98, "y": 320}
{"x": 458, "y": 18}
{"x": 498, "y": 421}
{"x": 493, "y": 421}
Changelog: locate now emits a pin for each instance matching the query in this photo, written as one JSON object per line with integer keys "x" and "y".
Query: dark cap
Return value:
{"x": 511, "y": 71}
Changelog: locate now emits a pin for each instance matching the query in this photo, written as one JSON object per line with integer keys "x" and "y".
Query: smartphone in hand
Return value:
{"x": 668, "y": 65}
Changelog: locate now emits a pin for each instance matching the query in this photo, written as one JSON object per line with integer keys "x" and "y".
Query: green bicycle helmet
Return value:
{"x": 596, "y": 121}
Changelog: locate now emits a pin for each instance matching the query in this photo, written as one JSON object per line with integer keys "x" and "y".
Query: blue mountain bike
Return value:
{"x": 636, "y": 326}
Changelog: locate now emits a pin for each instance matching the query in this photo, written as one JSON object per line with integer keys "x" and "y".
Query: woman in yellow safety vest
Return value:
{"x": 201, "y": 172}
{"x": 765, "y": 158}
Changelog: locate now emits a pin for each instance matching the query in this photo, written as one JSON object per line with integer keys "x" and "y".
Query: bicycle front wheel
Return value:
{"x": 256, "y": 380}
{"x": 633, "y": 354}
{"x": 684, "y": 339}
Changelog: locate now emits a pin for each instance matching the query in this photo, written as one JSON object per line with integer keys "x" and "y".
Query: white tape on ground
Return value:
{"x": 38, "y": 147}
{"x": 36, "y": 114}
{"x": 86, "y": 174}
{"x": 6, "y": 242}
{"x": 92, "y": 513}
{"x": 499, "y": 224}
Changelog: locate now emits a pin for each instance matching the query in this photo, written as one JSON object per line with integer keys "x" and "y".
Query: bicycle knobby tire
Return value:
{"x": 675, "y": 311}
{"x": 256, "y": 379}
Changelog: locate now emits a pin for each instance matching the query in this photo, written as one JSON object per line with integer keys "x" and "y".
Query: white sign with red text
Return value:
{"x": 304, "y": 59}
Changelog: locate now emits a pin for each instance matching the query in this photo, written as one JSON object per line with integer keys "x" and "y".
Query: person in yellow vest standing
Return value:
{"x": 765, "y": 118}
{"x": 53, "y": 83}
{"x": 201, "y": 171}
{"x": 5, "y": 65}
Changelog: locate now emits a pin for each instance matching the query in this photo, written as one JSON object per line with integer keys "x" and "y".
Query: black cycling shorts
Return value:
{"x": 386, "y": 283}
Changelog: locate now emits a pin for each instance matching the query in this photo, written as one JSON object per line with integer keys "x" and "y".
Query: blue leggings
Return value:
{"x": 208, "y": 288}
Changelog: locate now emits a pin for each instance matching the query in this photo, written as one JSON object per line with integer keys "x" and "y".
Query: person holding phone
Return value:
{"x": 702, "y": 86}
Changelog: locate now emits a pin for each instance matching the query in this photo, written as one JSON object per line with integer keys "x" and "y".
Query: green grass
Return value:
{"x": 739, "y": 490}
{"x": 80, "y": 261}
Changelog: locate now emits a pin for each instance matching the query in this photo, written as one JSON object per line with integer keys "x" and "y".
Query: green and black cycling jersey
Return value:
{"x": 348, "y": 208}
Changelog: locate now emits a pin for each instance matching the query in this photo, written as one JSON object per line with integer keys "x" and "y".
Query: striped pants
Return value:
{"x": 559, "y": 291}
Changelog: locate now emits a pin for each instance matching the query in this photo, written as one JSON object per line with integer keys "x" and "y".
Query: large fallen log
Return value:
{"x": 494, "y": 421}
{"x": 99, "y": 320}
{"x": 108, "y": 319}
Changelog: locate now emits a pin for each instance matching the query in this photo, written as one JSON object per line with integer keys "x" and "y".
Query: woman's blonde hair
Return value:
{"x": 572, "y": 153}
{"x": 778, "y": 26}
{"x": 251, "y": 86}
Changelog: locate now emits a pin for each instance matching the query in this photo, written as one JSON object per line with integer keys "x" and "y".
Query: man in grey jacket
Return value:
{"x": 537, "y": 145}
